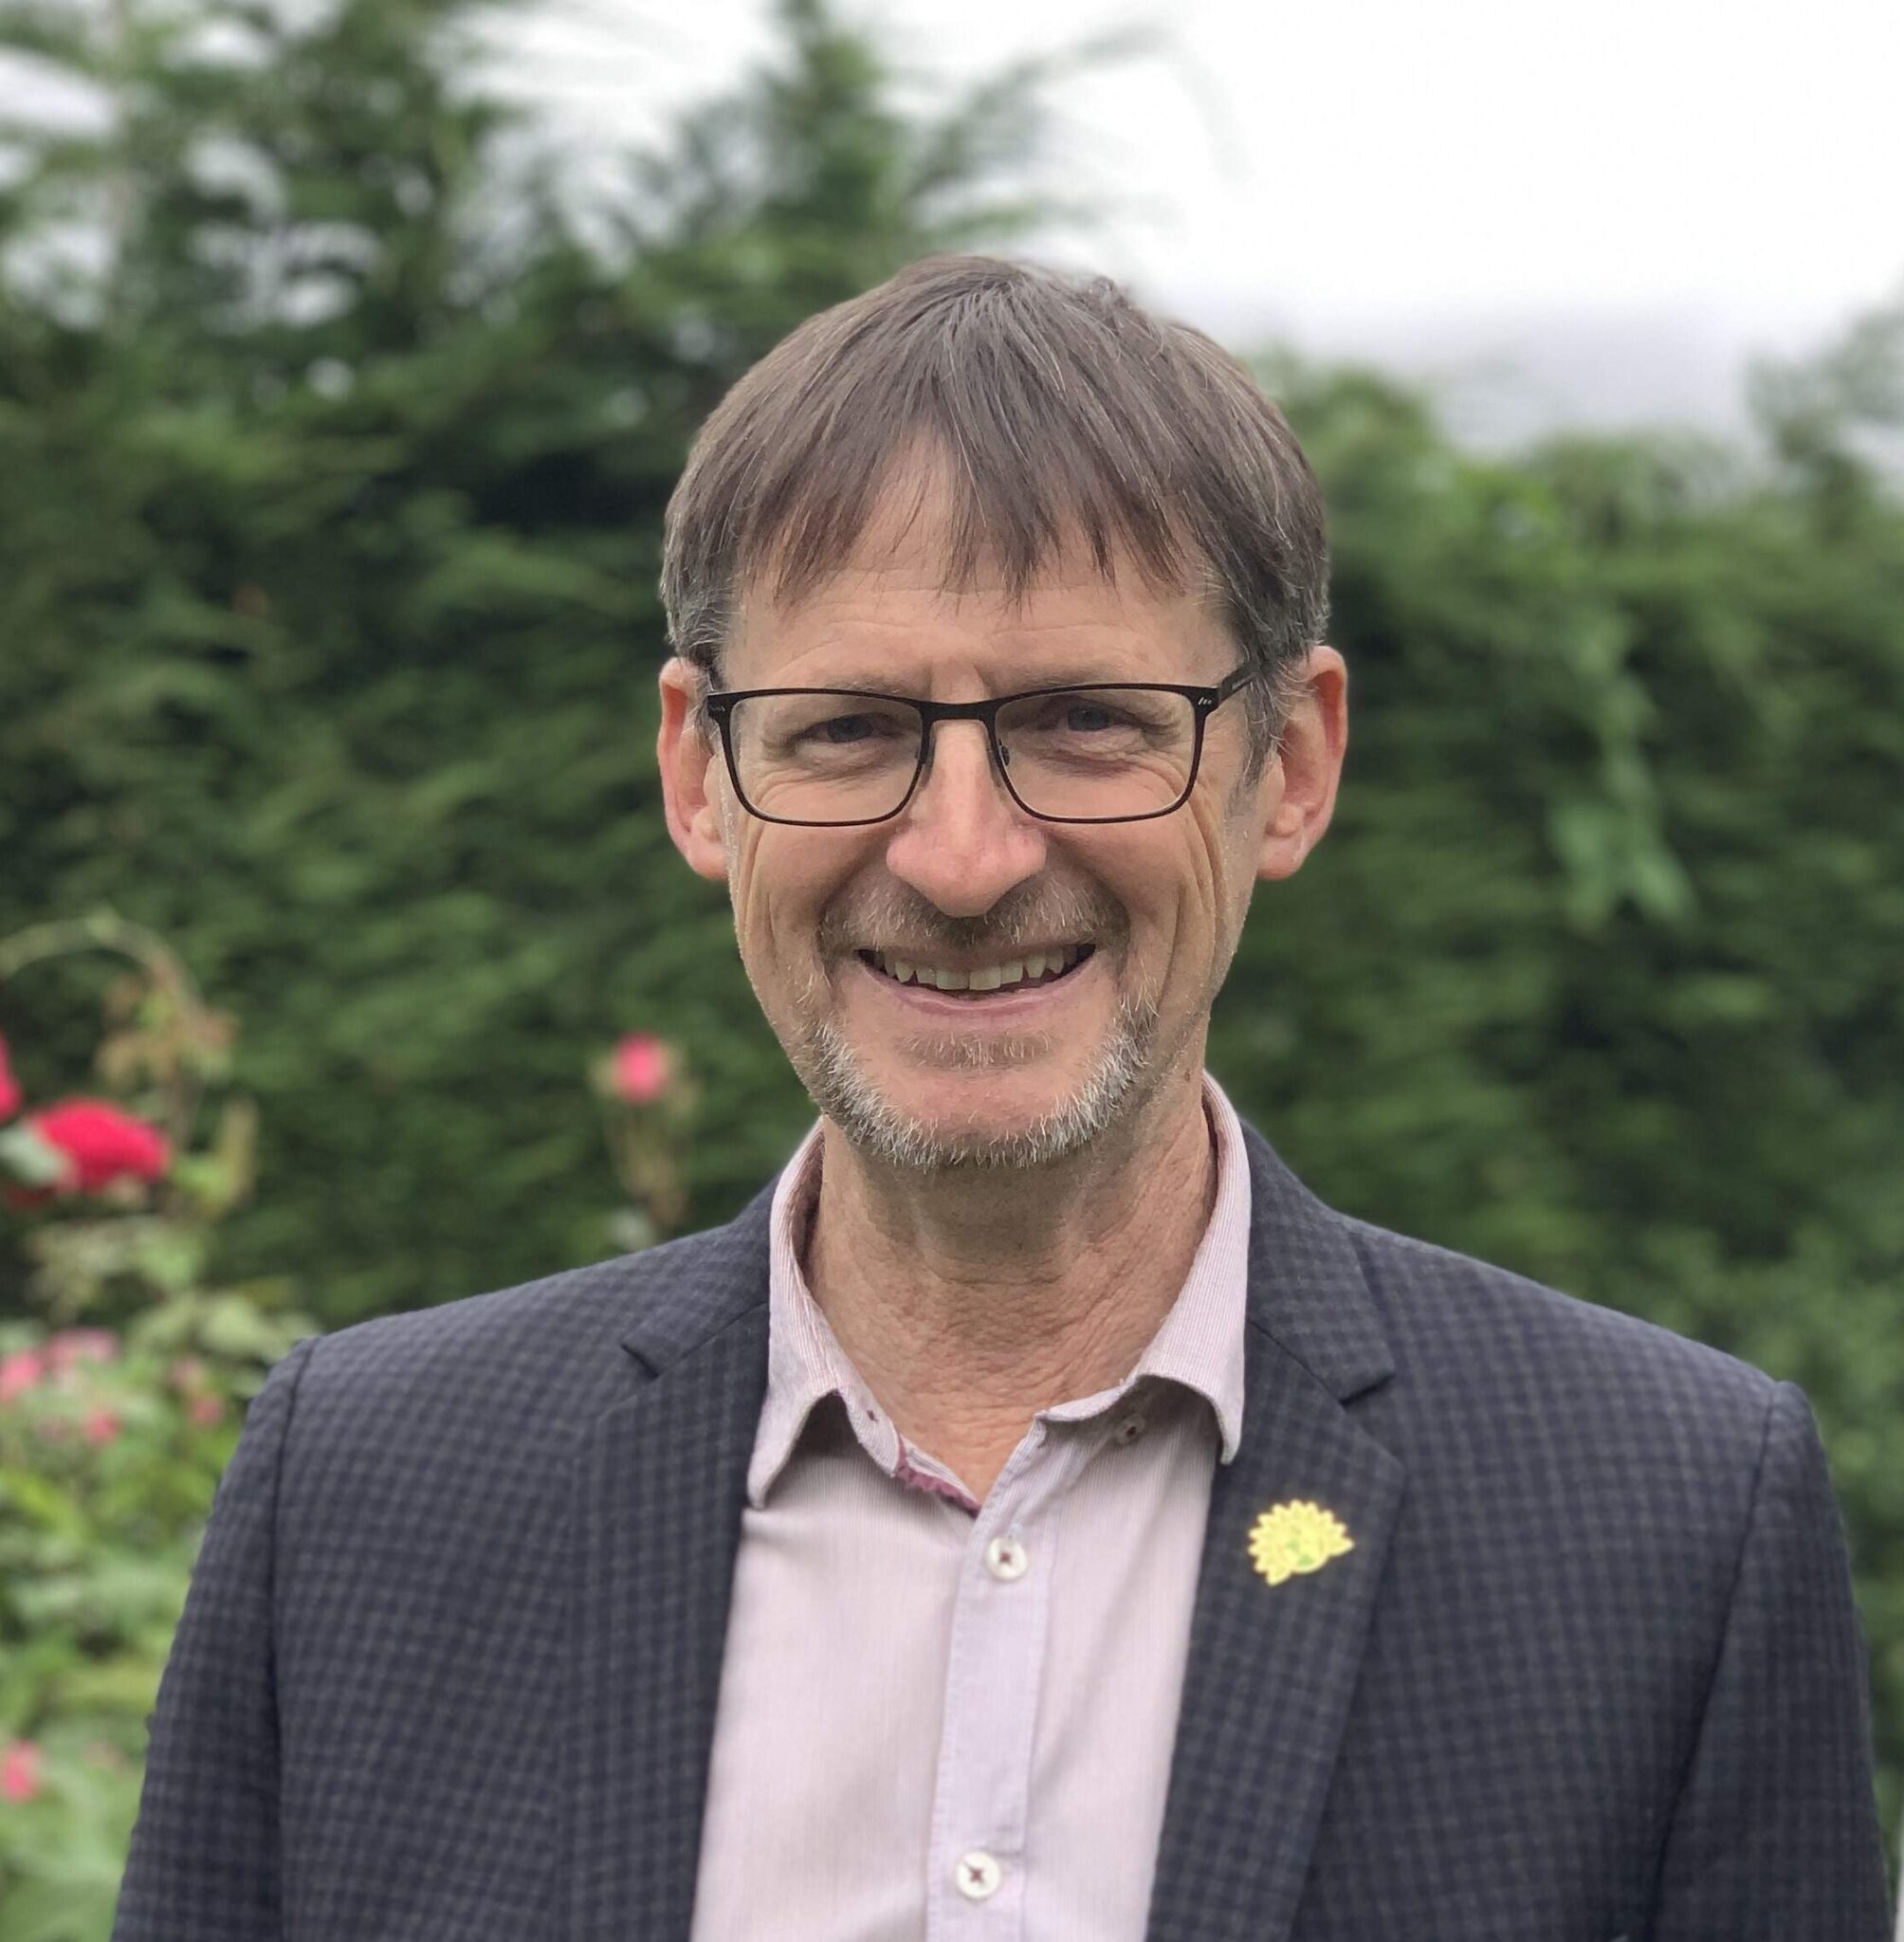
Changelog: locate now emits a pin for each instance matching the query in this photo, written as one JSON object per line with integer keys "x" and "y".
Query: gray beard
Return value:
{"x": 832, "y": 1075}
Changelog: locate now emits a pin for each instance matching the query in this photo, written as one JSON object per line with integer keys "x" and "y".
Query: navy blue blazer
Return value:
{"x": 449, "y": 1665}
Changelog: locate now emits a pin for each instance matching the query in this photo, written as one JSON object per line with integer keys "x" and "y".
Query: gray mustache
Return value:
{"x": 1028, "y": 915}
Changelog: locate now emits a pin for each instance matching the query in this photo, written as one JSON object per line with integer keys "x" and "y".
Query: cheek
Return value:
{"x": 1230, "y": 838}
{"x": 1174, "y": 893}
{"x": 1201, "y": 914}
{"x": 757, "y": 893}
{"x": 780, "y": 892}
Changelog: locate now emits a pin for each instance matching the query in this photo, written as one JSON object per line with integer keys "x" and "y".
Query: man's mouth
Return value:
{"x": 1022, "y": 973}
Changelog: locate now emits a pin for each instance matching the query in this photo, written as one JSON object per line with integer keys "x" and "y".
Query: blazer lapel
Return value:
{"x": 1272, "y": 1667}
{"x": 658, "y": 1488}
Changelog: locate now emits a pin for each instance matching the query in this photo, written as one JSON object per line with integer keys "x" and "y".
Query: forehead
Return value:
{"x": 893, "y": 607}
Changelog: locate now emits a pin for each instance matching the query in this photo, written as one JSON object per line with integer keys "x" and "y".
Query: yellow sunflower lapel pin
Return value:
{"x": 1298, "y": 1536}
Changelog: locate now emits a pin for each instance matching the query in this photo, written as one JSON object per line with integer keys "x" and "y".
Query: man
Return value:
{"x": 1034, "y": 1515}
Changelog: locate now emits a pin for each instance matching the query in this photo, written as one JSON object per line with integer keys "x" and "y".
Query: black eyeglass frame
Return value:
{"x": 1205, "y": 702}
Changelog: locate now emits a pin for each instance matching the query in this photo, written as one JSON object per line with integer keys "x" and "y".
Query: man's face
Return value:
{"x": 963, "y": 879}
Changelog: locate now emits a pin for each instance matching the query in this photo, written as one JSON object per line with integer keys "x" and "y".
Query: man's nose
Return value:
{"x": 963, "y": 840}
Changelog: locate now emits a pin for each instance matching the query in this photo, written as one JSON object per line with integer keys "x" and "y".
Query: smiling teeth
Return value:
{"x": 989, "y": 978}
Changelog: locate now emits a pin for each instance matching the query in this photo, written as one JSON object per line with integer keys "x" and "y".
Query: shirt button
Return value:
{"x": 1005, "y": 1557}
{"x": 978, "y": 1875}
{"x": 1129, "y": 1429}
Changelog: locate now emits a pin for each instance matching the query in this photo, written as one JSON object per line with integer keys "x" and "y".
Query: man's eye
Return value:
{"x": 862, "y": 731}
{"x": 1081, "y": 717}
{"x": 838, "y": 731}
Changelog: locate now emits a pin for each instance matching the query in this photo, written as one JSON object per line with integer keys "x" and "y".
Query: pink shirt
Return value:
{"x": 941, "y": 1719}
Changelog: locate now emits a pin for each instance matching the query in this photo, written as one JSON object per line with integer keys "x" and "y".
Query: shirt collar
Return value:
{"x": 1200, "y": 1344}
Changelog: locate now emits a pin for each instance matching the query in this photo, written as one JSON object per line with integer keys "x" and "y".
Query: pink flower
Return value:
{"x": 102, "y": 1426}
{"x": 101, "y": 1144}
{"x": 10, "y": 1085}
{"x": 207, "y": 1410}
{"x": 20, "y": 1372}
{"x": 19, "y": 1771}
{"x": 187, "y": 1372}
{"x": 80, "y": 1345}
{"x": 643, "y": 1068}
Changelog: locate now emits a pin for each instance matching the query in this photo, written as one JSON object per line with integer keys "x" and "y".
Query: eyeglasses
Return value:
{"x": 1105, "y": 752}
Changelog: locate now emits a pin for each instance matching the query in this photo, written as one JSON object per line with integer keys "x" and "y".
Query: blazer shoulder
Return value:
{"x": 1470, "y": 1329}
{"x": 557, "y": 1339}
{"x": 1548, "y": 1429}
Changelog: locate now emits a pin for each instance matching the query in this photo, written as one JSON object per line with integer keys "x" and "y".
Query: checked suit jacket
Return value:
{"x": 449, "y": 1665}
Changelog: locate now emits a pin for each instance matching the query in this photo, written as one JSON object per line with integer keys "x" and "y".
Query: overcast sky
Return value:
{"x": 1556, "y": 209}
{"x": 1550, "y": 211}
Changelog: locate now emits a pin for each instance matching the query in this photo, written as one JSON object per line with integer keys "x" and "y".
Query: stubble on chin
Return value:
{"x": 1119, "y": 1078}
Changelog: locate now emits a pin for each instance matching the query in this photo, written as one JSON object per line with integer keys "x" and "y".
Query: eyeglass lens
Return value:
{"x": 852, "y": 758}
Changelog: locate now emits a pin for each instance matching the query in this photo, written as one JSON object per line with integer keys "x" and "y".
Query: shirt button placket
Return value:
{"x": 994, "y": 1671}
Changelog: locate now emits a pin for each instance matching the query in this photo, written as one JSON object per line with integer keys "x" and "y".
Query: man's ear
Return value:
{"x": 1297, "y": 792}
{"x": 692, "y": 774}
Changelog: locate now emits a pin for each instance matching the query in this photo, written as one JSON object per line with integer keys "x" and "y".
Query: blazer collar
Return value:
{"x": 711, "y": 1280}
{"x": 1308, "y": 1293}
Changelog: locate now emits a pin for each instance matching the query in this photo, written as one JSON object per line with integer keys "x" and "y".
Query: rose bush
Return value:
{"x": 122, "y": 1400}
{"x": 124, "y": 1369}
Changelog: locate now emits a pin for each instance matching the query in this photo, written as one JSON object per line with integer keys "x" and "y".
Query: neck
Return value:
{"x": 970, "y": 1300}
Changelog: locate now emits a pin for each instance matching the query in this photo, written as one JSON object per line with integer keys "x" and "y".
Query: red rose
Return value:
{"x": 10, "y": 1085}
{"x": 101, "y": 1144}
{"x": 644, "y": 1068}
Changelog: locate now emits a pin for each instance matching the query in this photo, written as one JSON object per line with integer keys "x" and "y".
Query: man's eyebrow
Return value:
{"x": 1072, "y": 675}
{"x": 852, "y": 684}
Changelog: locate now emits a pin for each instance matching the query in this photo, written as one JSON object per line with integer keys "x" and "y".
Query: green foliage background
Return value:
{"x": 329, "y": 527}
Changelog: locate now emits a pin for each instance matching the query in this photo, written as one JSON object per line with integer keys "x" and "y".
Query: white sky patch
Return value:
{"x": 1549, "y": 211}
{"x": 1552, "y": 212}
